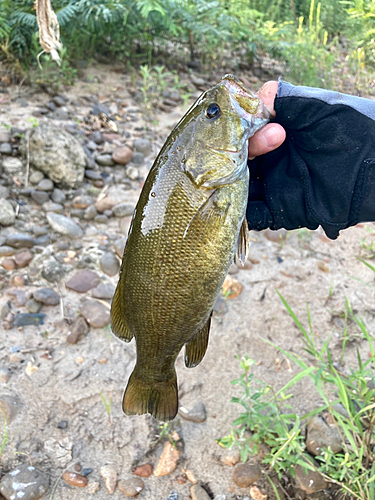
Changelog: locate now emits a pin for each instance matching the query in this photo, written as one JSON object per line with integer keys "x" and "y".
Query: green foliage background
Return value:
{"x": 308, "y": 37}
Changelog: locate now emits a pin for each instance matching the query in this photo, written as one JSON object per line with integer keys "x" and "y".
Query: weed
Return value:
{"x": 5, "y": 435}
{"x": 107, "y": 406}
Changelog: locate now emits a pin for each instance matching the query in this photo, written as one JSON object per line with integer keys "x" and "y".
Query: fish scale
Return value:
{"x": 181, "y": 242}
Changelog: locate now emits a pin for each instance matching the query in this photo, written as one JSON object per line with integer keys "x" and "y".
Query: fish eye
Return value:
{"x": 213, "y": 111}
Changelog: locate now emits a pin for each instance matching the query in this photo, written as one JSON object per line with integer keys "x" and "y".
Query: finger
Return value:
{"x": 267, "y": 94}
{"x": 266, "y": 139}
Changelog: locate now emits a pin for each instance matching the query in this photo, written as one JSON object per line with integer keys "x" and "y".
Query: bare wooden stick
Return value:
{"x": 49, "y": 29}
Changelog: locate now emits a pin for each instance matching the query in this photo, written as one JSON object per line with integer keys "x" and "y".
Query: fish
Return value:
{"x": 189, "y": 222}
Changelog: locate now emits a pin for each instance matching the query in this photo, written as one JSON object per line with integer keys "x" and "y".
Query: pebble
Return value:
{"x": 23, "y": 319}
{"x": 122, "y": 156}
{"x": 144, "y": 470}
{"x": 93, "y": 175}
{"x": 93, "y": 487}
{"x": 12, "y": 166}
{"x": 96, "y": 313}
{"x": 59, "y": 100}
{"x": 199, "y": 493}
{"x": 30, "y": 369}
{"x": 50, "y": 206}
{"x": 4, "y": 310}
{"x": 109, "y": 476}
{"x": 10, "y": 406}
{"x": 36, "y": 177}
{"x": 143, "y": 146}
{"x": 63, "y": 424}
{"x": 83, "y": 281}
{"x": 310, "y": 482}
{"x": 97, "y": 137}
{"x": 52, "y": 271}
{"x": 231, "y": 288}
{"x": 123, "y": 209}
{"x": 173, "y": 496}
{"x": 131, "y": 487}
{"x": 75, "y": 479}
{"x": 6, "y": 251}
{"x": 231, "y": 458}
{"x": 40, "y": 197}
{"x": 7, "y": 215}
{"x": 257, "y": 494}
{"x": 58, "y": 196}
{"x": 5, "y": 148}
{"x": 168, "y": 460}
{"x": 4, "y": 136}
{"x": 77, "y": 331}
{"x": 9, "y": 264}
{"x": 138, "y": 159}
{"x": 20, "y": 296}
{"x": 320, "y": 435}
{"x": 246, "y": 474}
{"x": 132, "y": 173}
{"x": 24, "y": 258}
{"x": 90, "y": 213}
{"x": 101, "y": 219}
{"x": 119, "y": 246}
{"x": 24, "y": 482}
{"x": 196, "y": 414}
{"x": 105, "y": 203}
{"x": 45, "y": 185}
{"x": 110, "y": 264}
{"x": 33, "y": 306}
{"x": 104, "y": 291}
{"x": 82, "y": 201}
{"x": 64, "y": 225}
{"x": 47, "y": 296}
{"x": 18, "y": 280}
{"x": 20, "y": 240}
{"x": 5, "y": 375}
{"x": 105, "y": 160}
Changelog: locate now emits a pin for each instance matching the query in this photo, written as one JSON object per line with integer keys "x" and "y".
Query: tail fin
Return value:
{"x": 158, "y": 398}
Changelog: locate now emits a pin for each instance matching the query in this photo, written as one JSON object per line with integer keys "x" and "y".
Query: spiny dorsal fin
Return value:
{"x": 196, "y": 348}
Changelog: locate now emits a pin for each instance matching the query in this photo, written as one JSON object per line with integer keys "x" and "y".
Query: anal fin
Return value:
{"x": 118, "y": 322}
{"x": 243, "y": 242}
{"x": 196, "y": 348}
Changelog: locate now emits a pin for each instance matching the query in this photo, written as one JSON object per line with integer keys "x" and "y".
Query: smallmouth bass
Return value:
{"x": 186, "y": 227}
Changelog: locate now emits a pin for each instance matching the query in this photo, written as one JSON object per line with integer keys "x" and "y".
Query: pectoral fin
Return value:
{"x": 118, "y": 322}
{"x": 196, "y": 348}
{"x": 211, "y": 210}
{"x": 243, "y": 242}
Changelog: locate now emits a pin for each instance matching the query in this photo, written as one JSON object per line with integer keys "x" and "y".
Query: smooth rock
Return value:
{"x": 246, "y": 474}
{"x": 110, "y": 264}
{"x": 320, "y": 435}
{"x": 75, "y": 479}
{"x": 9, "y": 264}
{"x": 90, "y": 213}
{"x": 58, "y": 154}
{"x": 109, "y": 476}
{"x": 19, "y": 294}
{"x": 96, "y": 313}
{"x": 83, "y": 281}
{"x": 36, "y": 177}
{"x": 97, "y": 137}
{"x": 131, "y": 487}
{"x": 64, "y": 225}
{"x": 24, "y": 482}
{"x": 47, "y": 296}
{"x": 311, "y": 481}
{"x": 231, "y": 458}
{"x": 123, "y": 209}
{"x": 12, "y": 165}
{"x": 6, "y": 251}
{"x": 4, "y": 192}
{"x": 138, "y": 159}
{"x": 23, "y": 319}
{"x": 119, "y": 246}
{"x": 257, "y": 494}
{"x": 5, "y": 148}
{"x": 101, "y": 219}
{"x": 5, "y": 375}
{"x": 132, "y": 173}
{"x": 50, "y": 206}
{"x": 45, "y": 185}
{"x": 77, "y": 331}
{"x": 144, "y": 470}
{"x": 143, "y": 146}
{"x": 10, "y": 406}
{"x": 196, "y": 414}
{"x": 60, "y": 100}
{"x": 52, "y": 271}
{"x": 82, "y": 201}
{"x": 58, "y": 196}
{"x": 20, "y": 240}
{"x": 40, "y": 197}
{"x": 33, "y": 306}
{"x": 24, "y": 258}
{"x": 104, "y": 291}
{"x": 105, "y": 160}
{"x": 4, "y": 136}
{"x": 100, "y": 108}
{"x": 122, "y": 156}
{"x": 168, "y": 460}
{"x": 7, "y": 215}
{"x": 105, "y": 203}
{"x": 198, "y": 493}
{"x": 93, "y": 175}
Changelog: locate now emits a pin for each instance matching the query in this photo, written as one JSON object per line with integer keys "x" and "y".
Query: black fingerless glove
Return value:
{"x": 324, "y": 172}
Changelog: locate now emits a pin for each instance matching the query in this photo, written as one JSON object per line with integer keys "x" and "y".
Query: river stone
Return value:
{"x": 7, "y": 215}
{"x": 20, "y": 240}
{"x": 246, "y": 474}
{"x": 132, "y": 173}
{"x": 8, "y": 264}
{"x": 45, "y": 185}
{"x": 52, "y": 271}
{"x": 58, "y": 196}
{"x": 77, "y": 331}
{"x": 123, "y": 155}
{"x": 23, "y": 319}
{"x": 106, "y": 203}
{"x": 105, "y": 160}
{"x": 143, "y": 146}
{"x": 64, "y": 225}
{"x": 58, "y": 154}
{"x": 24, "y": 258}
{"x": 4, "y": 136}
{"x": 109, "y": 476}
{"x": 93, "y": 175}
{"x": 75, "y": 479}
{"x": 123, "y": 209}
{"x": 47, "y": 296}
{"x": 33, "y": 306}
{"x": 24, "y": 482}
{"x": 6, "y": 251}
{"x": 104, "y": 291}
{"x": 109, "y": 264}
{"x": 83, "y": 281}
{"x": 196, "y": 414}
{"x": 138, "y": 158}
{"x": 4, "y": 192}
{"x": 199, "y": 493}
{"x": 131, "y": 487}
{"x": 12, "y": 165}
{"x": 119, "y": 246}
{"x": 53, "y": 207}
{"x": 311, "y": 481}
{"x": 5, "y": 148}
{"x": 320, "y": 435}
{"x": 36, "y": 177}
{"x": 40, "y": 197}
{"x": 82, "y": 201}
{"x": 96, "y": 313}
